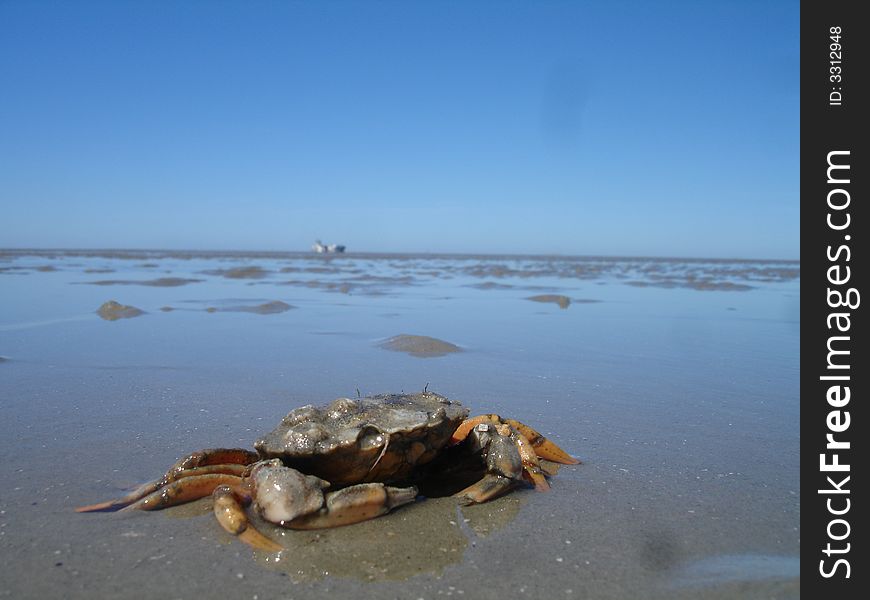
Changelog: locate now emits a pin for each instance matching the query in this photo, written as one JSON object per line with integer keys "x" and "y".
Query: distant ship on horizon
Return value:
{"x": 321, "y": 248}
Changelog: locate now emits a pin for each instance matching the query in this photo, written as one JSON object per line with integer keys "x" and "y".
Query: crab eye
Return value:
{"x": 371, "y": 437}
{"x": 374, "y": 441}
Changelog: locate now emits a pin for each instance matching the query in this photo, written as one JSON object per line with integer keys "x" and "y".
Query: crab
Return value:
{"x": 331, "y": 465}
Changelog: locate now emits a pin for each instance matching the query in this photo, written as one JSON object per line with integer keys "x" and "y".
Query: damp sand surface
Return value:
{"x": 680, "y": 397}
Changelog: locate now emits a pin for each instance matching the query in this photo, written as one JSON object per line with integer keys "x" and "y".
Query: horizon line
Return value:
{"x": 188, "y": 253}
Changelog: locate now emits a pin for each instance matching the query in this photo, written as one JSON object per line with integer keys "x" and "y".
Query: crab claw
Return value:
{"x": 287, "y": 497}
{"x": 543, "y": 447}
{"x": 505, "y": 463}
{"x": 512, "y": 451}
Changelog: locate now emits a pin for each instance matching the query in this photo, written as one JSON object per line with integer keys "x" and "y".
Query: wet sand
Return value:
{"x": 491, "y": 285}
{"x": 691, "y": 283}
{"x": 694, "y": 273}
{"x": 682, "y": 402}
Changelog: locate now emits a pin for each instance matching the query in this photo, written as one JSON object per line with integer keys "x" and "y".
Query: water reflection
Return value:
{"x": 423, "y": 538}
{"x": 742, "y": 569}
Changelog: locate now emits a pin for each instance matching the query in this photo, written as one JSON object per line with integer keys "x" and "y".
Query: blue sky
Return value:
{"x": 620, "y": 128}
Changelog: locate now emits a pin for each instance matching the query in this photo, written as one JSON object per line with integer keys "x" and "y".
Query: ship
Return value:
{"x": 321, "y": 248}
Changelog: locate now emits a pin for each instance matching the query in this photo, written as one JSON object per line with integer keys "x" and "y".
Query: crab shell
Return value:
{"x": 380, "y": 438}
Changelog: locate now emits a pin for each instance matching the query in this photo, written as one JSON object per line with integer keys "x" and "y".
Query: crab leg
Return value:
{"x": 230, "y": 461}
{"x": 153, "y": 486}
{"x": 543, "y": 447}
{"x": 232, "y": 517}
{"x": 531, "y": 467}
{"x": 184, "y": 490}
{"x": 468, "y": 424}
{"x": 215, "y": 456}
{"x": 491, "y": 486}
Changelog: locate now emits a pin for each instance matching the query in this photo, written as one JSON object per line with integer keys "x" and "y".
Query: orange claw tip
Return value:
{"x": 551, "y": 451}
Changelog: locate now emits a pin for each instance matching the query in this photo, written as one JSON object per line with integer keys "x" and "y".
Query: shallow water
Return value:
{"x": 676, "y": 382}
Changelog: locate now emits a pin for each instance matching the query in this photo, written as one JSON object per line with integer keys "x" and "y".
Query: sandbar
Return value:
{"x": 161, "y": 282}
{"x": 239, "y": 272}
{"x": 267, "y": 308}
{"x": 562, "y": 301}
{"x": 112, "y": 311}
{"x": 419, "y": 345}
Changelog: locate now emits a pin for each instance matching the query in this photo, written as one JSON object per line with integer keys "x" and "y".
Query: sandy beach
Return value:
{"x": 675, "y": 381}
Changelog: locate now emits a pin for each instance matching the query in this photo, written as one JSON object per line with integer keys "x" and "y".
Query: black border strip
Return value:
{"x": 833, "y": 262}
